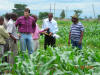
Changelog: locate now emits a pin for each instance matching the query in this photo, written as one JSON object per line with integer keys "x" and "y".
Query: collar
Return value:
{"x": 26, "y": 18}
{"x": 49, "y": 21}
{"x": 1, "y": 25}
{"x": 11, "y": 20}
{"x": 77, "y": 23}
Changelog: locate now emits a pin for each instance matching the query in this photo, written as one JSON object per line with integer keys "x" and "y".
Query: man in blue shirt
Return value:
{"x": 76, "y": 33}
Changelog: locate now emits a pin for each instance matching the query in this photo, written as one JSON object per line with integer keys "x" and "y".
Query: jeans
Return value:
{"x": 26, "y": 41}
{"x": 76, "y": 44}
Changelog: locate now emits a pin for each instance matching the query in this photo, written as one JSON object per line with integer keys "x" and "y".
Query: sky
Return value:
{"x": 69, "y": 6}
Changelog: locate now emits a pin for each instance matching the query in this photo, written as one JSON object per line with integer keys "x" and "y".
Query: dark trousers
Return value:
{"x": 49, "y": 41}
{"x": 76, "y": 44}
{"x": 6, "y": 49}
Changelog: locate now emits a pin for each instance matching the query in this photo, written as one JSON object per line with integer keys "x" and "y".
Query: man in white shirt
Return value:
{"x": 51, "y": 24}
{"x": 6, "y": 47}
{"x": 11, "y": 28}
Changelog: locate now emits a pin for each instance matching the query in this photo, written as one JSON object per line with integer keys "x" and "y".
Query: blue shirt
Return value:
{"x": 76, "y": 31}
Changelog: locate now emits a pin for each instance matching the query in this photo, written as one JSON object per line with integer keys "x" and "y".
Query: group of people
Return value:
{"x": 29, "y": 33}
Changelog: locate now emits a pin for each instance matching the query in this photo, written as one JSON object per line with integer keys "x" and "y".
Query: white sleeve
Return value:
{"x": 10, "y": 27}
{"x": 43, "y": 25}
{"x": 55, "y": 30}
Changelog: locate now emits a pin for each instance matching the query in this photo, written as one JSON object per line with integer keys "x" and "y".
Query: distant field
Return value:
{"x": 91, "y": 33}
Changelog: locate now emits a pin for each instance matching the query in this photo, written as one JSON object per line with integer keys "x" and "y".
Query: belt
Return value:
{"x": 1, "y": 44}
{"x": 25, "y": 33}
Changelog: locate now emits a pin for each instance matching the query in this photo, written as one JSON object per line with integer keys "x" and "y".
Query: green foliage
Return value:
{"x": 62, "y": 15}
{"x": 43, "y": 15}
{"x": 78, "y": 12}
{"x": 98, "y": 17}
{"x": 19, "y": 9}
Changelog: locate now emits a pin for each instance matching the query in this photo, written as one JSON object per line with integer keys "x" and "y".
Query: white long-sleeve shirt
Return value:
{"x": 11, "y": 28}
{"x": 52, "y": 25}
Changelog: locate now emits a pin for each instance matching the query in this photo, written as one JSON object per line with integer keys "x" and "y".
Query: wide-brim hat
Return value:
{"x": 75, "y": 16}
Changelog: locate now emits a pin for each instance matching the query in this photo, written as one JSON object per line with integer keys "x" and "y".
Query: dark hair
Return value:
{"x": 1, "y": 18}
{"x": 34, "y": 16}
{"x": 13, "y": 15}
{"x": 8, "y": 16}
{"x": 50, "y": 14}
{"x": 27, "y": 10}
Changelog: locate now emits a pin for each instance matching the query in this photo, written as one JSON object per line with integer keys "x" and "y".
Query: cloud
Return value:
{"x": 6, "y": 5}
{"x": 28, "y": 1}
{"x": 44, "y": 5}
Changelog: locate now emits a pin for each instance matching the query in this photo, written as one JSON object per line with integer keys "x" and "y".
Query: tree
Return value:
{"x": 90, "y": 17}
{"x": 62, "y": 15}
{"x": 85, "y": 17}
{"x": 19, "y": 9}
{"x": 78, "y": 12}
{"x": 98, "y": 17}
{"x": 43, "y": 15}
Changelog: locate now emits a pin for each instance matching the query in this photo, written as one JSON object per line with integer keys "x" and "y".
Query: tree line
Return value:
{"x": 19, "y": 9}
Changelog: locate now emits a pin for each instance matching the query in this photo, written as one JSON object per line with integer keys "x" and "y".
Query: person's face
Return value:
{"x": 1, "y": 22}
{"x": 26, "y": 14}
{"x": 74, "y": 20}
{"x": 50, "y": 16}
{"x": 15, "y": 18}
